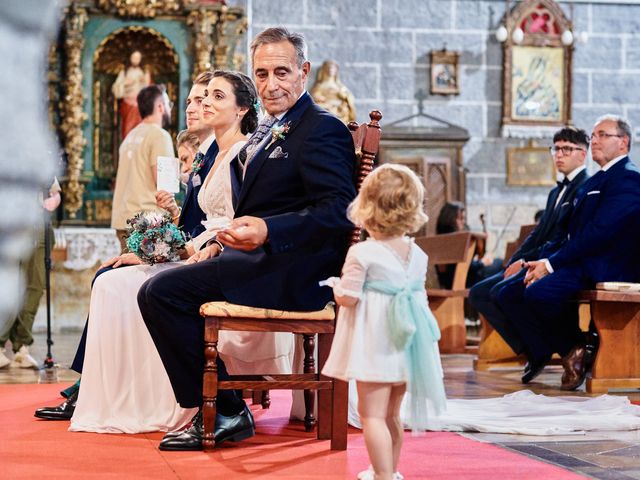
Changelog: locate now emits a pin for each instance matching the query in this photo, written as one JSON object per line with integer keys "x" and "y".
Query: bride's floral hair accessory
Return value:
{"x": 257, "y": 105}
{"x": 154, "y": 238}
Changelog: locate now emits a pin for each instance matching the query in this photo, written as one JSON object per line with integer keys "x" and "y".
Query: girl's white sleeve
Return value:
{"x": 353, "y": 277}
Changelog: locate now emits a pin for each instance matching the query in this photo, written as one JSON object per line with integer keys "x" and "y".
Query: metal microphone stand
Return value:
{"x": 48, "y": 361}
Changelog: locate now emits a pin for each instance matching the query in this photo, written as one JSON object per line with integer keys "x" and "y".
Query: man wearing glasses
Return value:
{"x": 569, "y": 151}
{"x": 601, "y": 245}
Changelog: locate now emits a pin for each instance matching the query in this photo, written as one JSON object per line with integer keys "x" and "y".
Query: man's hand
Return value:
{"x": 514, "y": 268}
{"x": 124, "y": 259}
{"x": 51, "y": 203}
{"x": 204, "y": 254}
{"x": 245, "y": 233}
{"x": 536, "y": 271}
{"x": 167, "y": 201}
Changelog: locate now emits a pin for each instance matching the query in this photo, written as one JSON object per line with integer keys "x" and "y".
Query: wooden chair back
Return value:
{"x": 512, "y": 247}
{"x": 332, "y": 394}
{"x": 451, "y": 248}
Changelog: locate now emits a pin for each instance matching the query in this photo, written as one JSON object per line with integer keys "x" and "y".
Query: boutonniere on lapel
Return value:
{"x": 278, "y": 132}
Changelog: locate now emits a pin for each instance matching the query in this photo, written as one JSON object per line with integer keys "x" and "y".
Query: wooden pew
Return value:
{"x": 448, "y": 305}
{"x": 616, "y": 315}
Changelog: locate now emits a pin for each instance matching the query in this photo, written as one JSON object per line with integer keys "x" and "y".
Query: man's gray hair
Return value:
{"x": 281, "y": 34}
{"x": 622, "y": 124}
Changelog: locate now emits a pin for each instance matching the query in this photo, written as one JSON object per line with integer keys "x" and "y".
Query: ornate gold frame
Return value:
{"x": 514, "y": 19}
{"x": 216, "y": 31}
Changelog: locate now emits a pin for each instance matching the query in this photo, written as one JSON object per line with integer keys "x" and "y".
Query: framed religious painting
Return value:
{"x": 444, "y": 72}
{"x": 530, "y": 166}
{"x": 538, "y": 52}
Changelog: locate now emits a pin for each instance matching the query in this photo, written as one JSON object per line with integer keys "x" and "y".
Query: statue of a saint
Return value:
{"x": 129, "y": 82}
{"x": 330, "y": 93}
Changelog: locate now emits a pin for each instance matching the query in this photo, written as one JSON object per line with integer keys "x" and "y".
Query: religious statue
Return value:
{"x": 131, "y": 79}
{"x": 330, "y": 93}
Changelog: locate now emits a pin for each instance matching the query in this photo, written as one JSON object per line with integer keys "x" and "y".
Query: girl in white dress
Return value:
{"x": 386, "y": 336}
{"x": 125, "y": 388}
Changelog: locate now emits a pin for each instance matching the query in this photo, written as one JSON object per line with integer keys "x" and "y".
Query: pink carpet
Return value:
{"x": 37, "y": 449}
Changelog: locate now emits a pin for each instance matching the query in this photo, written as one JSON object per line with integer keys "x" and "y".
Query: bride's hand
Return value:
{"x": 204, "y": 254}
{"x": 124, "y": 259}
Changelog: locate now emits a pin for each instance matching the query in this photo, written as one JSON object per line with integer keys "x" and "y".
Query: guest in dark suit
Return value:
{"x": 294, "y": 182}
{"x": 601, "y": 245}
{"x": 569, "y": 152}
{"x": 188, "y": 218}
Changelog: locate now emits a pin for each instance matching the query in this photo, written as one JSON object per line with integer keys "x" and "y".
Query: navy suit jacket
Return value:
{"x": 301, "y": 186}
{"x": 552, "y": 228}
{"x": 604, "y": 230}
{"x": 191, "y": 217}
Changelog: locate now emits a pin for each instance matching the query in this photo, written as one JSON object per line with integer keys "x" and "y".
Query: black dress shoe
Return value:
{"x": 234, "y": 428}
{"x": 64, "y": 411}
{"x": 189, "y": 439}
{"x": 532, "y": 369}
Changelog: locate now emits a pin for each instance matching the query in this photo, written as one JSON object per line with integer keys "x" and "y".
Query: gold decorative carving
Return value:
{"x": 203, "y": 22}
{"x": 217, "y": 34}
{"x": 72, "y": 113}
{"x": 140, "y": 8}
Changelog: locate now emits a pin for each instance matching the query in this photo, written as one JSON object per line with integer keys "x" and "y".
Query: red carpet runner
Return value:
{"x": 36, "y": 449}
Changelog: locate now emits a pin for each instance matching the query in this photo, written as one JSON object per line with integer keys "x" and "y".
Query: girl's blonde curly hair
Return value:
{"x": 390, "y": 202}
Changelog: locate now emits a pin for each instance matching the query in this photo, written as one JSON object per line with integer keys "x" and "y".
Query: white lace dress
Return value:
{"x": 125, "y": 388}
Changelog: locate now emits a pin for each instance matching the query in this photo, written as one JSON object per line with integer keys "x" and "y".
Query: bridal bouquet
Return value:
{"x": 153, "y": 237}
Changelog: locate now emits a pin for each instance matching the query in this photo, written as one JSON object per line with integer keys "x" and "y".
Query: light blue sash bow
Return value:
{"x": 413, "y": 328}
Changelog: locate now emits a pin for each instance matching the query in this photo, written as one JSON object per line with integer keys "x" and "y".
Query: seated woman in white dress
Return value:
{"x": 124, "y": 385}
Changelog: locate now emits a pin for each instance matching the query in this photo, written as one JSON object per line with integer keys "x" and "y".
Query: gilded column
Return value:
{"x": 72, "y": 112}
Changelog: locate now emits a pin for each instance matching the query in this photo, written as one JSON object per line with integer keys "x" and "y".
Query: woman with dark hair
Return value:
{"x": 452, "y": 218}
{"x": 125, "y": 388}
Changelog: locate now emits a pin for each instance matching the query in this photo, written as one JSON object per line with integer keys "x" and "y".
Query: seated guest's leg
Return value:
{"x": 170, "y": 306}
{"x": 483, "y": 298}
{"x": 550, "y": 298}
{"x": 510, "y": 298}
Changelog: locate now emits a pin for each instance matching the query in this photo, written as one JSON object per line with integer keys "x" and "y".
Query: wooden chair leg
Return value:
{"x": 339, "y": 409}
{"x": 324, "y": 396}
{"x": 309, "y": 344}
{"x": 210, "y": 381}
{"x": 265, "y": 400}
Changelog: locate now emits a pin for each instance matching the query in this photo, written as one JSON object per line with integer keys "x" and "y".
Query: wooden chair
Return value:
{"x": 332, "y": 394}
{"x": 448, "y": 305}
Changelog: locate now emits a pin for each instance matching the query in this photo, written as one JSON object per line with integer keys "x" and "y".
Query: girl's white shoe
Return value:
{"x": 369, "y": 474}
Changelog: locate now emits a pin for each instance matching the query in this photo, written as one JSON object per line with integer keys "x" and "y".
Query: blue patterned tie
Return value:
{"x": 251, "y": 147}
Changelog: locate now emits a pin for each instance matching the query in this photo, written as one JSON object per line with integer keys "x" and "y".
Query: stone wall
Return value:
{"x": 383, "y": 48}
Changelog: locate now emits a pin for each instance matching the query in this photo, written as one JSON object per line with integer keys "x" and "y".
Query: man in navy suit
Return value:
{"x": 601, "y": 245}
{"x": 569, "y": 152}
{"x": 293, "y": 184}
{"x": 190, "y": 219}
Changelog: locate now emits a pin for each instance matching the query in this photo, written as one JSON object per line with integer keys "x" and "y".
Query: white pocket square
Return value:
{"x": 279, "y": 153}
{"x": 593, "y": 192}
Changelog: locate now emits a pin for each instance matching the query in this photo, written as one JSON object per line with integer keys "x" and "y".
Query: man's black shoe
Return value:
{"x": 64, "y": 411}
{"x": 233, "y": 428}
{"x": 532, "y": 369}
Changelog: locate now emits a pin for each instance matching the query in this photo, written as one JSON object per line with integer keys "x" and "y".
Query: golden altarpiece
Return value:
{"x": 177, "y": 39}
